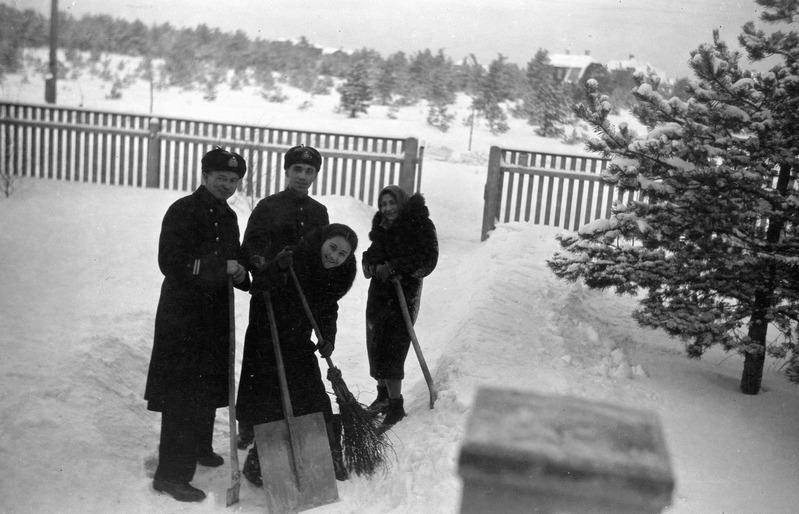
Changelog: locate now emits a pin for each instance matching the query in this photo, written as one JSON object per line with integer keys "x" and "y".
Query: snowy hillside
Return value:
{"x": 80, "y": 285}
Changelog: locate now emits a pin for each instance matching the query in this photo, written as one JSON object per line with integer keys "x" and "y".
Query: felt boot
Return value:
{"x": 395, "y": 411}
{"x": 380, "y": 405}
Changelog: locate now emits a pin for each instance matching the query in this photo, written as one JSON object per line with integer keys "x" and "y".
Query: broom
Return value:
{"x": 364, "y": 444}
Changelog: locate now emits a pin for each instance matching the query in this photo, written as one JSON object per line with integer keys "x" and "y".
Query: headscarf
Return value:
{"x": 399, "y": 194}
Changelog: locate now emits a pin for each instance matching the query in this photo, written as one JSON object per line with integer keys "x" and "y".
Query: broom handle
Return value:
{"x": 308, "y": 312}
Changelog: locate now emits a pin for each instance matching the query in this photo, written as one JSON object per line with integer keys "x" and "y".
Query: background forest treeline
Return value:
{"x": 203, "y": 58}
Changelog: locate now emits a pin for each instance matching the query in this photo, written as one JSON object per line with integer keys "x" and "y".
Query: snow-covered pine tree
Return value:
{"x": 546, "y": 103}
{"x": 712, "y": 239}
{"x": 440, "y": 93}
{"x": 356, "y": 91}
{"x": 495, "y": 87}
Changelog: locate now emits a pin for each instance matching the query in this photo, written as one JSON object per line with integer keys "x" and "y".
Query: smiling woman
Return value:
{"x": 325, "y": 267}
{"x": 335, "y": 251}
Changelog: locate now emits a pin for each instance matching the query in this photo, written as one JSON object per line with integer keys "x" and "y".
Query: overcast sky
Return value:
{"x": 656, "y": 31}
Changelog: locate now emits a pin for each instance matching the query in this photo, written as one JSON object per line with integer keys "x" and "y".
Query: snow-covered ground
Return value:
{"x": 80, "y": 284}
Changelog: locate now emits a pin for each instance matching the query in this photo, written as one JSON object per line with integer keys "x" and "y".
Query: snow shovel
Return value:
{"x": 416, "y": 347}
{"x": 235, "y": 472}
{"x": 294, "y": 453}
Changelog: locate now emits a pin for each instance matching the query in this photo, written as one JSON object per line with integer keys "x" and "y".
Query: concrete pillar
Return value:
{"x": 524, "y": 452}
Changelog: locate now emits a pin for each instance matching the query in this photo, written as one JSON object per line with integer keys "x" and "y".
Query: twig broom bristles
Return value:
{"x": 364, "y": 445}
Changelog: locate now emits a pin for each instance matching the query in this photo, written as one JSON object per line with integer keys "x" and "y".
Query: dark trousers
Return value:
{"x": 186, "y": 434}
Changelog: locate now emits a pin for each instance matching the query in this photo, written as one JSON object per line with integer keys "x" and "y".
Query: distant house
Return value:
{"x": 576, "y": 68}
{"x": 633, "y": 65}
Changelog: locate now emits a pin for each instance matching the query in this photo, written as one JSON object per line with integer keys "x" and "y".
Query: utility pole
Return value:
{"x": 471, "y": 118}
{"x": 52, "y": 75}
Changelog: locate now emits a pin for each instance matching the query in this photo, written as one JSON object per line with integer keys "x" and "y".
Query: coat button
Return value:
{"x": 217, "y": 239}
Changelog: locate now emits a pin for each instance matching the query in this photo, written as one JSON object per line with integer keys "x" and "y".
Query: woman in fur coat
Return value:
{"x": 403, "y": 244}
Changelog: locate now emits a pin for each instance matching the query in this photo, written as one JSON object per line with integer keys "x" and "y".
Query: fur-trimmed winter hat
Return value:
{"x": 302, "y": 155}
{"x": 219, "y": 159}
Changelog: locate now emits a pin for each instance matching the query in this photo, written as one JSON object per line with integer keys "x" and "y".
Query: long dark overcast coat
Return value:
{"x": 189, "y": 363}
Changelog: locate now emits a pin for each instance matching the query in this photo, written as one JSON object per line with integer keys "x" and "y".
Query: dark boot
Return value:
{"x": 395, "y": 411}
{"x": 179, "y": 490}
{"x": 252, "y": 468}
{"x": 334, "y": 437}
{"x": 211, "y": 460}
{"x": 380, "y": 405}
{"x": 246, "y": 436}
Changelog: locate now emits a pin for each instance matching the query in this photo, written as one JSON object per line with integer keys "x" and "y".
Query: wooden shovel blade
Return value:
{"x": 296, "y": 480}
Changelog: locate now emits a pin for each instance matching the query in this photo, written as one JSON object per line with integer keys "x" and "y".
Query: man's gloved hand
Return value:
{"x": 325, "y": 348}
{"x": 284, "y": 259}
{"x": 368, "y": 271}
{"x": 383, "y": 272}
{"x": 256, "y": 262}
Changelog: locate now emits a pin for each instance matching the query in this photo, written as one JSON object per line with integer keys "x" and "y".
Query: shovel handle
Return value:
{"x": 288, "y": 412}
{"x": 235, "y": 473}
{"x": 416, "y": 346}
{"x": 281, "y": 369}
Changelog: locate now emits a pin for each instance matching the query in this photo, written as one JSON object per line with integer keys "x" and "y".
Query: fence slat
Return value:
{"x": 561, "y": 190}
{"x": 138, "y": 150}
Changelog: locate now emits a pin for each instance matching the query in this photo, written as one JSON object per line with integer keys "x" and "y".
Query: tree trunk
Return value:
{"x": 755, "y": 360}
{"x": 758, "y": 324}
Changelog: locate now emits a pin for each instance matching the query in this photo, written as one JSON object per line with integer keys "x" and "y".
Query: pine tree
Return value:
{"x": 440, "y": 92}
{"x": 10, "y": 44}
{"x": 712, "y": 238}
{"x": 495, "y": 87}
{"x": 356, "y": 91}
{"x": 387, "y": 81}
{"x": 545, "y": 102}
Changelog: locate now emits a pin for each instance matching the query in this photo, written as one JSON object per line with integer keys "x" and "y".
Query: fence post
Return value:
{"x": 492, "y": 192}
{"x": 408, "y": 170}
{"x": 153, "y": 154}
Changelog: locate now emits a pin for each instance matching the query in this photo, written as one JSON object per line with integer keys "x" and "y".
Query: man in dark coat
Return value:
{"x": 188, "y": 376}
{"x": 403, "y": 243}
{"x": 278, "y": 221}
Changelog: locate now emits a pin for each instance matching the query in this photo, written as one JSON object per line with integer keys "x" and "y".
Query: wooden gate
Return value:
{"x": 547, "y": 189}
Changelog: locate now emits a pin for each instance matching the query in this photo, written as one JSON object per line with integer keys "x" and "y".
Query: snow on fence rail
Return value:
{"x": 68, "y": 143}
{"x": 551, "y": 189}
